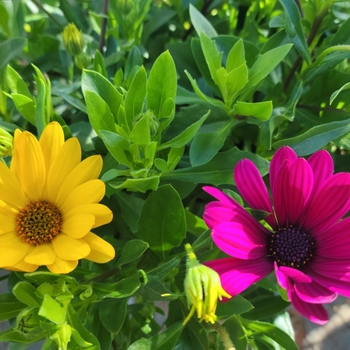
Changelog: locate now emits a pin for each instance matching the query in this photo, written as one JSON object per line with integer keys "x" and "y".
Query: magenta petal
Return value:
{"x": 282, "y": 279}
{"x": 322, "y": 166}
{"x": 299, "y": 186}
{"x": 336, "y": 269}
{"x": 335, "y": 285}
{"x": 314, "y": 293}
{"x": 252, "y": 188}
{"x": 216, "y": 213}
{"x": 314, "y": 312}
{"x": 295, "y": 275}
{"x": 335, "y": 242}
{"x": 278, "y": 192}
{"x": 329, "y": 203}
{"x": 239, "y": 240}
{"x": 237, "y": 275}
{"x": 221, "y": 196}
{"x": 282, "y": 154}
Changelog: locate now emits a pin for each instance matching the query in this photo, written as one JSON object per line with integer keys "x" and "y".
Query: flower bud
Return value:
{"x": 73, "y": 40}
{"x": 28, "y": 323}
{"x": 62, "y": 336}
{"x": 6, "y": 143}
{"x": 202, "y": 289}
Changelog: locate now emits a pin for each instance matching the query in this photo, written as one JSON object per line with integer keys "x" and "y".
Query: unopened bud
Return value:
{"x": 73, "y": 40}
{"x": 6, "y": 143}
{"x": 62, "y": 336}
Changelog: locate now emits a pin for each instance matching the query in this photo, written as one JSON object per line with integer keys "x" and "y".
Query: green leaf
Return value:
{"x": 141, "y": 133}
{"x": 99, "y": 64}
{"x": 99, "y": 113}
{"x": 40, "y": 115}
{"x": 10, "y": 49}
{"x": 259, "y": 110}
{"x": 315, "y": 138}
{"x": 266, "y": 63}
{"x": 48, "y": 277}
{"x": 52, "y": 310}
{"x": 117, "y": 146}
{"x": 212, "y": 56}
{"x": 236, "y": 306}
{"x": 237, "y": 333}
{"x": 236, "y": 56}
{"x": 186, "y": 136}
{"x": 132, "y": 250}
{"x": 136, "y": 95}
{"x": 219, "y": 170}
{"x": 123, "y": 289}
{"x": 12, "y": 335}
{"x": 206, "y": 145}
{"x": 154, "y": 289}
{"x": 272, "y": 332}
{"x": 195, "y": 224}
{"x": 76, "y": 323}
{"x": 98, "y": 84}
{"x": 112, "y": 314}
{"x": 294, "y": 29}
{"x": 201, "y": 24}
{"x": 16, "y": 83}
{"x": 25, "y": 292}
{"x": 25, "y": 106}
{"x": 163, "y": 269}
{"x": 235, "y": 82}
{"x": 336, "y": 93}
{"x": 167, "y": 340}
{"x": 161, "y": 84}
{"x": 9, "y": 306}
{"x": 162, "y": 222}
{"x": 138, "y": 185}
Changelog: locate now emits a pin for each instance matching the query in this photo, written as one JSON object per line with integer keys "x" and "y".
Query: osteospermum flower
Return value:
{"x": 307, "y": 246}
{"x": 49, "y": 203}
{"x": 202, "y": 289}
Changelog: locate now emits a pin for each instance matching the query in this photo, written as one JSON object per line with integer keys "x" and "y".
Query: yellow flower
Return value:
{"x": 202, "y": 288}
{"x": 49, "y": 203}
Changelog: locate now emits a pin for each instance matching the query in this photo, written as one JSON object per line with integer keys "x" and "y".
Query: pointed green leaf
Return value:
{"x": 52, "y": 310}
{"x": 25, "y": 292}
{"x": 16, "y": 83}
{"x": 259, "y": 110}
{"x": 162, "y": 222}
{"x": 9, "y": 306}
{"x": 336, "y": 93}
{"x": 10, "y": 49}
{"x": 26, "y": 106}
{"x": 236, "y": 56}
{"x": 112, "y": 314}
{"x": 132, "y": 250}
{"x": 99, "y": 113}
{"x": 99, "y": 64}
{"x": 161, "y": 84}
{"x": 186, "y": 136}
{"x": 201, "y": 24}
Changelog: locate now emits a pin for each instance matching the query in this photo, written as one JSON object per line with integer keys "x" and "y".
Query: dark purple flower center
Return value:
{"x": 292, "y": 247}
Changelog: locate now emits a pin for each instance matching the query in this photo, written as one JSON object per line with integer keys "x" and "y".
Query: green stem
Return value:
{"x": 103, "y": 25}
{"x": 42, "y": 8}
{"x": 224, "y": 336}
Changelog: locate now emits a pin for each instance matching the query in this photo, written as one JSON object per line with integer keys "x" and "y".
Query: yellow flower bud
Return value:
{"x": 73, "y": 40}
{"x": 202, "y": 289}
{"x": 6, "y": 143}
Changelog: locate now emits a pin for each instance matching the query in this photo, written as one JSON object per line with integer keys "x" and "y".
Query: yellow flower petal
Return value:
{"x": 10, "y": 190}
{"x": 62, "y": 266}
{"x": 68, "y": 248}
{"x": 101, "y": 251}
{"x": 103, "y": 215}
{"x": 29, "y": 165}
{"x": 89, "y": 169}
{"x": 22, "y": 266}
{"x": 87, "y": 193}
{"x": 42, "y": 255}
{"x": 78, "y": 225}
{"x": 8, "y": 224}
{"x": 12, "y": 249}
{"x": 51, "y": 141}
{"x": 67, "y": 159}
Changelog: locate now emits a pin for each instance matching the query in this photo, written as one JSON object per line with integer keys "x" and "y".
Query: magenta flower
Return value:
{"x": 308, "y": 246}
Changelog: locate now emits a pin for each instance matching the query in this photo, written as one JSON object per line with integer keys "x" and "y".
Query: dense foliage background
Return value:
{"x": 172, "y": 94}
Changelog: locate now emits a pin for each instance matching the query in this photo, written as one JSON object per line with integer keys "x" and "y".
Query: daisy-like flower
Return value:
{"x": 308, "y": 244}
{"x": 202, "y": 289}
{"x": 49, "y": 203}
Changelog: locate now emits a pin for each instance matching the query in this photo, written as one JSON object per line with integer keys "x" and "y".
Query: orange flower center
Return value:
{"x": 38, "y": 223}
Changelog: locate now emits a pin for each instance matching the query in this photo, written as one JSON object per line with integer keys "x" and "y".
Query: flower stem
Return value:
{"x": 224, "y": 336}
